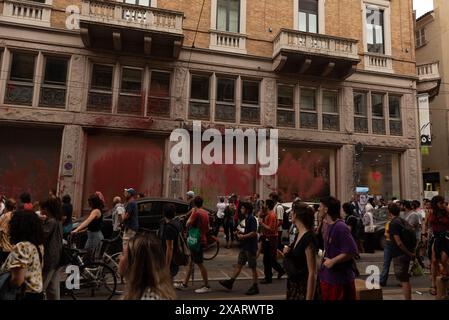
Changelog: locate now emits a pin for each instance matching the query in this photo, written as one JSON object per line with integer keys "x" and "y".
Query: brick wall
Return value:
{"x": 343, "y": 18}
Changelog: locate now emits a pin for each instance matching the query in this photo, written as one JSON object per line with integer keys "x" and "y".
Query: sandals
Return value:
{"x": 433, "y": 291}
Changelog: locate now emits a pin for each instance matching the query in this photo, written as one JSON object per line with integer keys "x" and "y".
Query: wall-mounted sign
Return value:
{"x": 424, "y": 120}
{"x": 68, "y": 166}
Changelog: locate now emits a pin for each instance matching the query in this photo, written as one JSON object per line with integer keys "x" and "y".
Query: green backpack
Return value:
{"x": 193, "y": 239}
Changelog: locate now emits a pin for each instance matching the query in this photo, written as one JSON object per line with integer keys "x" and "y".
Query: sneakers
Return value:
{"x": 180, "y": 285}
{"x": 253, "y": 290}
{"x": 203, "y": 290}
{"x": 227, "y": 283}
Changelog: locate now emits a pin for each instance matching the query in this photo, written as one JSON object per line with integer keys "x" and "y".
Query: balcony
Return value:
{"x": 108, "y": 25}
{"x": 27, "y": 12}
{"x": 429, "y": 79}
{"x": 314, "y": 54}
{"x": 378, "y": 62}
{"x": 227, "y": 41}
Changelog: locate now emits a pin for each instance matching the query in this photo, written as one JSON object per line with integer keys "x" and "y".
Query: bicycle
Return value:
{"x": 92, "y": 278}
{"x": 112, "y": 259}
{"x": 213, "y": 243}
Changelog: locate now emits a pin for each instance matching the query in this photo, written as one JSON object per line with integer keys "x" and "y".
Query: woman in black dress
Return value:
{"x": 300, "y": 256}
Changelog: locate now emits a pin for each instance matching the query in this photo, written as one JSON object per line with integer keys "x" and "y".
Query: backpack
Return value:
{"x": 408, "y": 236}
{"x": 285, "y": 218}
{"x": 193, "y": 239}
{"x": 181, "y": 254}
{"x": 359, "y": 229}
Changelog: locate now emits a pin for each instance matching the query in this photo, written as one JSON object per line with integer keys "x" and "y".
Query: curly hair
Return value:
{"x": 26, "y": 226}
{"x": 95, "y": 202}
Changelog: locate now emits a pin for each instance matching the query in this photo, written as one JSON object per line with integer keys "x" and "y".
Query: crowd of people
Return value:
{"x": 315, "y": 246}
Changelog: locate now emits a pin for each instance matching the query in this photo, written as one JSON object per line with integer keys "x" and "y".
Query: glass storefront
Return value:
{"x": 380, "y": 173}
{"x": 306, "y": 171}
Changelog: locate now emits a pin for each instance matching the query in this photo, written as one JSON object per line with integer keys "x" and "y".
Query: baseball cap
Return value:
{"x": 131, "y": 191}
{"x": 190, "y": 194}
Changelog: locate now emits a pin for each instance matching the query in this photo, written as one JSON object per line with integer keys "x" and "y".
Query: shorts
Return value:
{"x": 334, "y": 292}
{"x": 402, "y": 267}
{"x": 247, "y": 256}
{"x": 197, "y": 256}
{"x": 127, "y": 235}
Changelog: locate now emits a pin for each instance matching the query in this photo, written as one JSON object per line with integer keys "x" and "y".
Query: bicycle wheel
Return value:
{"x": 212, "y": 250}
{"x": 113, "y": 261}
{"x": 97, "y": 280}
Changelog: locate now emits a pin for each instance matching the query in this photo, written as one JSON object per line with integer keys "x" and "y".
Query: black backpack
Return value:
{"x": 408, "y": 236}
{"x": 181, "y": 253}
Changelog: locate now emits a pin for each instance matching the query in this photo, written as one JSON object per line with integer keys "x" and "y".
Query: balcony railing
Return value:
{"x": 26, "y": 12}
{"x": 124, "y": 15}
{"x": 315, "y": 44}
{"x": 429, "y": 71}
{"x": 226, "y": 41}
{"x": 376, "y": 62}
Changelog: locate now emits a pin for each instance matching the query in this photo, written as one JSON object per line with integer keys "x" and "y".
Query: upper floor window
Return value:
{"x": 285, "y": 106}
{"x": 20, "y": 86}
{"x": 308, "y": 16}
{"x": 228, "y": 15}
{"x": 200, "y": 97}
{"x": 250, "y": 111}
{"x": 420, "y": 37}
{"x": 146, "y": 3}
{"x": 54, "y": 86}
{"x": 100, "y": 92}
{"x": 331, "y": 116}
{"x": 394, "y": 105}
{"x": 360, "y": 112}
{"x": 375, "y": 30}
{"x": 308, "y": 108}
{"x": 378, "y": 115}
{"x": 130, "y": 98}
{"x": 159, "y": 95}
{"x": 225, "y": 106}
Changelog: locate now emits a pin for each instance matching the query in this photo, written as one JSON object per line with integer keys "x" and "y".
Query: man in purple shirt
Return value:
{"x": 337, "y": 273}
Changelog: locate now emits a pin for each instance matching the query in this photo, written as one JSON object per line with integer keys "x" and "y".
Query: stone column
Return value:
{"x": 412, "y": 179}
{"x": 180, "y": 93}
{"x": 345, "y": 174}
{"x": 71, "y": 169}
{"x": 347, "y": 110}
{"x": 78, "y": 83}
{"x": 268, "y": 105}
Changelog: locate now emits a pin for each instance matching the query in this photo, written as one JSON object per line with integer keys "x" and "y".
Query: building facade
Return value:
{"x": 90, "y": 91}
{"x": 433, "y": 66}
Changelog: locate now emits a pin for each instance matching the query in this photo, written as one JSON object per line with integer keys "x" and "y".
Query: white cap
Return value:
{"x": 190, "y": 194}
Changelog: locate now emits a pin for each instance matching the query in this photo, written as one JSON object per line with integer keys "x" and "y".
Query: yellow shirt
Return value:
{"x": 387, "y": 231}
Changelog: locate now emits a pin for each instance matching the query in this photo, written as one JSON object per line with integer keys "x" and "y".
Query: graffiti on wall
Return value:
{"x": 118, "y": 162}
{"x": 213, "y": 181}
{"x": 29, "y": 161}
{"x": 304, "y": 171}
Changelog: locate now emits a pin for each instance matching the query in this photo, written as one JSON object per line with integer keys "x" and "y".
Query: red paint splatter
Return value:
{"x": 212, "y": 181}
{"x": 118, "y": 162}
{"x": 303, "y": 174}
